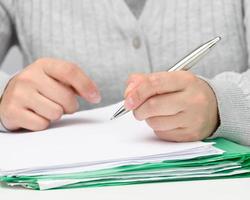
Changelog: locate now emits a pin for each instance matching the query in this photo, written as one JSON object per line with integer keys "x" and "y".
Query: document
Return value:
{"x": 88, "y": 149}
{"x": 91, "y": 137}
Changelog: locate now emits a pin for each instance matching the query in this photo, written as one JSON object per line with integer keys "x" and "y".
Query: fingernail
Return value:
{"x": 95, "y": 97}
{"x": 129, "y": 103}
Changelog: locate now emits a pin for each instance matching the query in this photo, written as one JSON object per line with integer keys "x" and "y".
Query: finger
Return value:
{"x": 133, "y": 81}
{"x": 135, "y": 77}
{"x": 157, "y": 83}
{"x": 45, "y": 107}
{"x": 161, "y": 105}
{"x": 70, "y": 74}
{"x": 167, "y": 123}
{"x": 176, "y": 135}
{"x": 59, "y": 93}
{"x": 31, "y": 121}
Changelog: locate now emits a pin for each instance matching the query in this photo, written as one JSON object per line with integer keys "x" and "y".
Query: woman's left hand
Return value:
{"x": 178, "y": 106}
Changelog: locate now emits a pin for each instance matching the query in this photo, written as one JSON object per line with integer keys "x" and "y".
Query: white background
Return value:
{"x": 231, "y": 189}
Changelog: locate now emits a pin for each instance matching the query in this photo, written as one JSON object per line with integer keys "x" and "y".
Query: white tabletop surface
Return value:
{"x": 230, "y": 189}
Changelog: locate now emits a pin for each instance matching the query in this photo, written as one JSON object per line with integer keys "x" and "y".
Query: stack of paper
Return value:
{"x": 87, "y": 149}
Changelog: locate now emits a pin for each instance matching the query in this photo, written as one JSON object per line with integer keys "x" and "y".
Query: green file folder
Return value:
{"x": 233, "y": 163}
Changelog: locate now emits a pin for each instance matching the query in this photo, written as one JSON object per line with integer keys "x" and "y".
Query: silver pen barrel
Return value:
{"x": 191, "y": 59}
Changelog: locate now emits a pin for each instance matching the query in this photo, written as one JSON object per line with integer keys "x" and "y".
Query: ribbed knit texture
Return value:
{"x": 100, "y": 36}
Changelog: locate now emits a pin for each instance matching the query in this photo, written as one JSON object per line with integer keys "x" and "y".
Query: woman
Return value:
{"x": 109, "y": 40}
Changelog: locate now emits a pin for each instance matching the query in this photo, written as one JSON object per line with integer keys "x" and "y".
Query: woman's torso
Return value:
{"x": 109, "y": 43}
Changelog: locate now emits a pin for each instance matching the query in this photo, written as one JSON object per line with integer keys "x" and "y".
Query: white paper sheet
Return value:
{"x": 86, "y": 136}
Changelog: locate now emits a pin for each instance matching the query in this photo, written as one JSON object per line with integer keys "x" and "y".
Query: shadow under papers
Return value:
{"x": 60, "y": 124}
{"x": 7, "y": 187}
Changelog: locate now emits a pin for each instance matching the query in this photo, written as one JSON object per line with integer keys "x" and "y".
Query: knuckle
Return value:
{"x": 135, "y": 76}
{"x": 56, "y": 113}
{"x": 70, "y": 104}
{"x": 27, "y": 77}
{"x": 40, "y": 125}
{"x": 71, "y": 108}
{"x": 202, "y": 100}
{"x": 69, "y": 96}
{"x": 15, "y": 94}
{"x": 58, "y": 110}
{"x": 199, "y": 100}
{"x": 23, "y": 77}
{"x": 155, "y": 81}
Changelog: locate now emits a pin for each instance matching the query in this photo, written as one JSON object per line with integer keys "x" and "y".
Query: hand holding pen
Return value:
{"x": 176, "y": 104}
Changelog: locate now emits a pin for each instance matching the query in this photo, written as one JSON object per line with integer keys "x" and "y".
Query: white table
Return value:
{"x": 230, "y": 189}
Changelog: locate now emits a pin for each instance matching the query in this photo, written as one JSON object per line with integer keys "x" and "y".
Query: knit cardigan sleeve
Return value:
{"x": 233, "y": 96}
{"x": 6, "y": 41}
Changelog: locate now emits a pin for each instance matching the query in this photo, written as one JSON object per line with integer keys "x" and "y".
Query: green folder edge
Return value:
{"x": 233, "y": 152}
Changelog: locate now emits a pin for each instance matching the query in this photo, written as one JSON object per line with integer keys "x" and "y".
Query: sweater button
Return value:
{"x": 137, "y": 42}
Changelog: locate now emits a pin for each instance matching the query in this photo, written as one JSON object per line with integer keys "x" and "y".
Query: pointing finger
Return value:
{"x": 71, "y": 75}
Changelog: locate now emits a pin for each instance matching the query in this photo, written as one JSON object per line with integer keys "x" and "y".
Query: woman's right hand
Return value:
{"x": 43, "y": 92}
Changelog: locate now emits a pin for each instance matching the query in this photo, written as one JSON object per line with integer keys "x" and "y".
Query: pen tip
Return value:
{"x": 112, "y": 118}
{"x": 218, "y": 38}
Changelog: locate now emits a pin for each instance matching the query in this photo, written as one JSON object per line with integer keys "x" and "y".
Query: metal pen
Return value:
{"x": 184, "y": 64}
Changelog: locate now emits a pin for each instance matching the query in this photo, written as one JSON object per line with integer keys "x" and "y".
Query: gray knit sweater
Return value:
{"x": 109, "y": 43}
